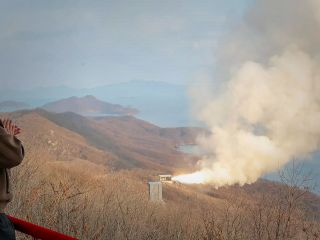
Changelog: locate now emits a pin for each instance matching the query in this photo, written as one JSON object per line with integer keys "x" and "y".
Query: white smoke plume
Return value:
{"x": 267, "y": 112}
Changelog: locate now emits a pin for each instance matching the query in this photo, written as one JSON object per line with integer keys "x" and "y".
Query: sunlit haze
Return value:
{"x": 90, "y": 43}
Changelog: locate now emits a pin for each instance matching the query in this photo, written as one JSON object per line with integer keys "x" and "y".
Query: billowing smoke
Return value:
{"x": 267, "y": 112}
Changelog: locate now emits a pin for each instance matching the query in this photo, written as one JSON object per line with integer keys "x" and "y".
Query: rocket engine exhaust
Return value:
{"x": 267, "y": 112}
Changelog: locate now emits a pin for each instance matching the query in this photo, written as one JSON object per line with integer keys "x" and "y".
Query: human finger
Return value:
{"x": 12, "y": 127}
{"x": 17, "y": 131}
{"x": 9, "y": 126}
{"x": 5, "y": 123}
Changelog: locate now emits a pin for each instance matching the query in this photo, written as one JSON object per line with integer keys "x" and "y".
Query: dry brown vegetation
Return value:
{"x": 66, "y": 184}
{"x": 132, "y": 142}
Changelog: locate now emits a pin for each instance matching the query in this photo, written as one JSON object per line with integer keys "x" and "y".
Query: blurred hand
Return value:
{"x": 10, "y": 127}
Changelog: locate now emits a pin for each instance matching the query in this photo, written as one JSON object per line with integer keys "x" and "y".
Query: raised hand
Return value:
{"x": 10, "y": 127}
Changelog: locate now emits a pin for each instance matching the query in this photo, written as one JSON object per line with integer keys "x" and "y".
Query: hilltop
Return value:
{"x": 87, "y": 105}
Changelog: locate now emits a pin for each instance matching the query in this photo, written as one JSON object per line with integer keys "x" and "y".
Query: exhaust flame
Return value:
{"x": 192, "y": 178}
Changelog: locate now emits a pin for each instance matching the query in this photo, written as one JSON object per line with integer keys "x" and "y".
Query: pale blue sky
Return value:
{"x": 82, "y": 43}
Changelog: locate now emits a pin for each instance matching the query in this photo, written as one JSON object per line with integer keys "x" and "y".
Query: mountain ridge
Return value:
{"x": 87, "y": 104}
{"x": 132, "y": 142}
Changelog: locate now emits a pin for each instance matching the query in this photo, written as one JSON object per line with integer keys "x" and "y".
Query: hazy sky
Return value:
{"x": 85, "y": 43}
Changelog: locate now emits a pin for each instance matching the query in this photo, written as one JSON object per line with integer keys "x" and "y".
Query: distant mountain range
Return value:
{"x": 161, "y": 103}
{"x": 88, "y": 105}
